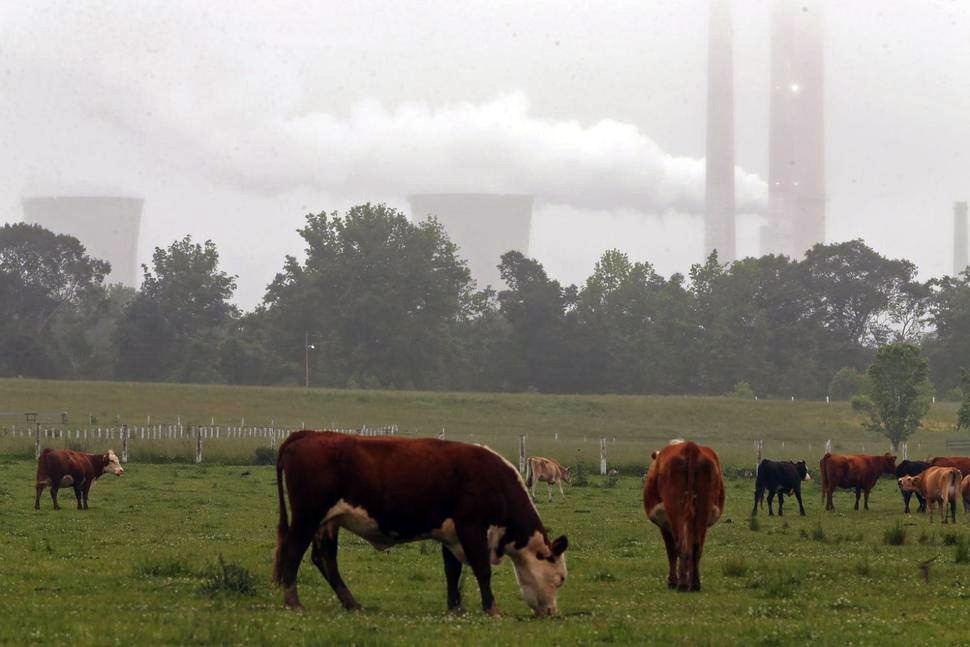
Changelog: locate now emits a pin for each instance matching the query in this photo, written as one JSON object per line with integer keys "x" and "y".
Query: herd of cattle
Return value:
{"x": 390, "y": 490}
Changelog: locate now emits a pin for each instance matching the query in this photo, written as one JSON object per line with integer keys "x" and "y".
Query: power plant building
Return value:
{"x": 107, "y": 226}
{"x": 719, "y": 217}
{"x": 960, "y": 233}
{"x": 796, "y": 156}
{"x": 483, "y": 225}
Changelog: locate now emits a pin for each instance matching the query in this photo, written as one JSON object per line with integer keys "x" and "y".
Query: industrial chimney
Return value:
{"x": 719, "y": 181}
{"x": 796, "y": 156}
{"x": 107, "y": 226}
{"x": 960, "y": 259}
{"x": 483, "y": 225}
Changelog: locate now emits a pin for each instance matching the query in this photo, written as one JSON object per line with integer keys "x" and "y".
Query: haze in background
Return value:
{"x": 233, "y": 121}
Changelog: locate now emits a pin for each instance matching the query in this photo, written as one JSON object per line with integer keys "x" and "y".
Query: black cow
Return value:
{"x": 781, "y": 478}
{"x": 911, "y": 468}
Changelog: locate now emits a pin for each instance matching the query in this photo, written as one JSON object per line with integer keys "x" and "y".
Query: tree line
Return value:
{"x": 380, "y": 302}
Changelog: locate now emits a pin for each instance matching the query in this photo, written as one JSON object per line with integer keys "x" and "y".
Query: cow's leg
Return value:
{"x": 759, "y": 491}
{"x": 77, "y": 495}
{"x": 324, "y": 556}
{"x": 549, "y": 490}
{"x": 781, "y": 503}
{"x": 85, "y": 489}
{"x": 866, "y": 494}
{"x": 953, "y": 510}
{"x": 828, "y": 499}
{"x": 858, "y": 492}
{"x": 291, "y": 550}
{"x": 560, "y": 489}
{"x": 54, "y": 496}
{"x": 798, "y": 496}
{"x": 695, "y": 584}
{"x": 452, "y": 575}
{"x": 671, "y": 546}
{"x": 475, "y": 544}
{"x": 906, "y": 497}
{"x": 922, "y": 502}
{"x": 685, "y": 563}
{"x": 40, "y": 490}
{"x": 771, "y": 500}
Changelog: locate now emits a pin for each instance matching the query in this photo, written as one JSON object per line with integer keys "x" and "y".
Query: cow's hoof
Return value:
{"x": 671, "y": 584}
{"x": 293, "y": 606}
{"x": 493, "y": 612}
{"x": 458, "y": 611}
{"x": 683, "y": 588}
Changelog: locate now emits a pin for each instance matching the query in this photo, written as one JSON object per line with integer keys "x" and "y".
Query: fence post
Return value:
{"x": 759, "y": 445}
{"x": 828, "y": 446}
{"x": 904, "y": 447}
{"x": 198, "y": 444}
{"x": 124, "y": 443}
{"x": 603, "y": 456}
{"x": 37, "y": 441}
{"x": 522, "y": 453}
{"x": 441, "y": 436}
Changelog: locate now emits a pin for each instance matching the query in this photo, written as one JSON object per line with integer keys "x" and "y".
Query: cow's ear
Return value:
{"x": 653, "y": 456}
{"x": 560, "y": 545}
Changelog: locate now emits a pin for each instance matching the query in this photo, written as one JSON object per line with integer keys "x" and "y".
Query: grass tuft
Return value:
{"x": 734, "y": 567}
{"x": 227, "y": 577}
{"x": 164, "y": 567}
{"x": 962, "y": 553}
{"x": 753, "y": 524}
{"x": 895, "y": 535}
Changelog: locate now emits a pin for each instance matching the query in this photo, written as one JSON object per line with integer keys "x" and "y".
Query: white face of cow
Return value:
{"x": 909, "y": 483}
{"x": 113, "y": 465}
{"x": 540, "y": 569}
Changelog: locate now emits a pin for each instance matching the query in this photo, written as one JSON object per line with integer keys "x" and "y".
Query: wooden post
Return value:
{"x": 828, "y": 446}
{"x": 198, "y": 445}
{"x": 441, "y": 436}
{"x": 603, "y": 456}
{"x": 522, "y": 453}
{"x": 124, "y": 443}
{"x": 759, "y": 445}
{"x": 37, "y": 441}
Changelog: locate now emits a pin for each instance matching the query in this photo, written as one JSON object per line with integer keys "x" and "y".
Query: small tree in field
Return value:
{"x": 963, "y": 415}
{"x": 900, "y": 391}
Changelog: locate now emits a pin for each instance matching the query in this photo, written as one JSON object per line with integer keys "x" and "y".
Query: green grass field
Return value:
{"x": 133, "y": 569}
{"x": 138, "y": 567}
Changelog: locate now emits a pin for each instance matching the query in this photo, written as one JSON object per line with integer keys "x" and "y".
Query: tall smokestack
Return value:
{"x": 796, "y": 156}
{"x": 719, "y": 183}
{"x": 960, "y": 259}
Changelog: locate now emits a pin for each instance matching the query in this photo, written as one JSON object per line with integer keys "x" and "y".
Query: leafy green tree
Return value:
{"x": 43, "y": 275}
{"x": 380, "y": 297}
{"x": 173, "y": 328}
{"x": 963, "y": 415}
{"x": 948, "y": 345}
{"x": 900, "y": 391}
{"x": 848, "y": 382}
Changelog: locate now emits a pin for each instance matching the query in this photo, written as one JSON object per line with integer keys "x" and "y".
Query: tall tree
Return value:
{"x": 900, "y": 391}
{"x": 173, "y": 327}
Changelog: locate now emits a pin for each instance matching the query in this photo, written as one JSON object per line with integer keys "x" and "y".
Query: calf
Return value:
{"x": 684, "y": 495}
{"x": 937, "y": 485}
{"x": 56, "y": 469}
{"x": 853, "y": 472}
{"x": 391, "y": 490}
{"x": 546, "y": 469}
{"x": 780, "y": 477}
{"x": 911, "y": 468}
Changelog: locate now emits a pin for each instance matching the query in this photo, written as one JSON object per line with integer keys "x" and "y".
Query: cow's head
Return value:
{"x": 110, "y": 462}
{"x": 567, "y": 476}
{"x": 910, "y": 483}
{"x": 540, "y": 569}
{"x": 803, "y": 471}
{"x": 889, "y": 464}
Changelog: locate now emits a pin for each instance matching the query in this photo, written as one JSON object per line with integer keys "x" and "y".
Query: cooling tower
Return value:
{"x": 483, "y": 225}
{"x": 106, "y": 226}
{"x": 796, "y": 156}
{"x": 719, "y": 180}
{"x": 960, "y": 259}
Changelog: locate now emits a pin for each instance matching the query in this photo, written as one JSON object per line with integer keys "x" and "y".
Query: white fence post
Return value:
{"x": 124, "y": 443}
{"x": 828, "y": 446}
{"x": 37, "y": 442}
{"x": 522, "y": 453}
{"x": 198, "y": 444}
{"x": 603, "y": 456}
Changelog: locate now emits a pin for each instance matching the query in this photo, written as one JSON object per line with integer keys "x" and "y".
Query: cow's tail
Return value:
{"x": 42, "y": 465}
{"x": 823, "y": 475}
{"x": 690, "y": 499}
{"x": 283, "y": 526}
{"x": 528, "y": 473}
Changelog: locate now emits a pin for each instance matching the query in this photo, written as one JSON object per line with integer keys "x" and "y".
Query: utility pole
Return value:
{"x": 307, "y": 347}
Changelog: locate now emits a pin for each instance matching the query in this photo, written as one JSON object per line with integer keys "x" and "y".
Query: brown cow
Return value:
{"x": 858, "y": 472}
{"x": 965, "y": 493}
{"x": 962, "y": 463}
{"x": 545, "y": 469}
{"x": 937, "y": 485}
{"x": 684, "y": 496}
{"x": 392, "y": 490}
{"x": 76, "y": 469}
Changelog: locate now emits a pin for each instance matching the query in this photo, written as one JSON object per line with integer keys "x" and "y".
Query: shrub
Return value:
{"x": 264, "y": 456}
{"x": 734, "y": 567}
{"x": 952, "y": 395}
{"x": 580, "y": 476}
{"x": 894, "y": 535}
{"x": 742, "y": 391}
{"x": 848, "y": 382}
{"x": 862, "y": 403}
{"x": 818, "y": 533}
{"x": 227, "y": 577}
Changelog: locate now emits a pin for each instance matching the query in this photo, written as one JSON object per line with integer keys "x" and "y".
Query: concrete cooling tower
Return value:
{"x": 106, "y": 226}
{"x": 483, "y": 225}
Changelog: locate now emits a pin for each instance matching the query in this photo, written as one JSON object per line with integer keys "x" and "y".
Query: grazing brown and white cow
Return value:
{"x": 391, "y": 490}
{"x": 937, "y": 485}
{"x": 684, "y": 496}
{"x": 57, "y": 469}
{"x": 858, "y": 472}
{"x": 546, "y": 469}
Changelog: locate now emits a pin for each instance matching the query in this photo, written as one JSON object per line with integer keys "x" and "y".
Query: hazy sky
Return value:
{"x": 233, "y": 120}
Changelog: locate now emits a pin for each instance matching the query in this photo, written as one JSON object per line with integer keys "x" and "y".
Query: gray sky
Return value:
{"x": 233, "y": 120}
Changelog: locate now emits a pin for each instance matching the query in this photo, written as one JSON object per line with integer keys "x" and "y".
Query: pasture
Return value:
{"x": 177, "y": 553}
